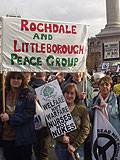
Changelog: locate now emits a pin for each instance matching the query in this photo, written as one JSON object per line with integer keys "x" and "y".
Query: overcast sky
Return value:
{"x": 90, "y": 12}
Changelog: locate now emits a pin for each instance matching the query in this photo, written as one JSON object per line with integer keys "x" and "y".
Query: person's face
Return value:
{"x": 27, "y": 76}
{"x": 60, "y": 77}
{"x": 104, "y": 88}
{"x": 70, "y": 96}
{"x": 15, "y": 81}
{"x": 78, "y": 76}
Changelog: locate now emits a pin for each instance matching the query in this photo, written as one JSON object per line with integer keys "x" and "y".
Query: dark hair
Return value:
{"x": 41, "y": 74}
{"x": 69, "y": 87}
{"x": 13, "y": 74}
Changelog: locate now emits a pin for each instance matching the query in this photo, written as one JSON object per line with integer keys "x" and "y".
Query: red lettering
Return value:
{"x": 23, "y": 47}
{"x": 15, "y": 46}
{"x": 75, "y": 48}
{"x": 27, "y": 44}
{"x": 33, "y": 26}
{"x": 67, "y": 29}
{"x": 61, "y": 30}
{"x": 48, "y": 28}
{"x": 38, "y": 27}
{"x": 48, "y": 48}
{"x": 59, "y": 48}
{"x": 43, "y": 48}
{"x": 64, "y": 49}
{"x": 81, "y": 49}
{"x": 45, "y": 27}
{"x": 33, "y": 46}
{"x": 70, "y": 49}
{"x": 24, "y": 24}
{"x": 74, "y": 29}
{"x": 54, "y": 48}
{"x": 55, "y": 28}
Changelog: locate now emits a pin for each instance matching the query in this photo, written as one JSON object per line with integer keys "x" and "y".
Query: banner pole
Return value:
{"x": 3, "y": 92}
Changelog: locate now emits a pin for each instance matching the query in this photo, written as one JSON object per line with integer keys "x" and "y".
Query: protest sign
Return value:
{"x": 58, "y": 117}
{"x": 39, "y": 45}
{"x": 39, "y": 117}
{"x": 111, "y": 50}
{"x": 106, "y": 140}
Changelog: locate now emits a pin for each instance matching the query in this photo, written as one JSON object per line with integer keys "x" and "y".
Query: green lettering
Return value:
{"x": 64, "y": 62}
{"x": 57, "y": 61}
{"x": 26, "y": 60}
{"x": 75, "y": 61}
{"x": 50, "y": 60}
{"x": 19, "y": 60}
{"x": 50, "y": 37}
{"x": 36, "y": 36}
{"x": 32, "y": 59}
{"x": 13, "y": 57}
{"x": 70, "y": 62}
{"x": 43, "y": 36}
{"x": 39, "y": 62}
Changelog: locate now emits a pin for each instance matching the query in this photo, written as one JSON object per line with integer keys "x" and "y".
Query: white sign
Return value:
{"x": 58, "y": 117}
{"x": 39, "y": 45}
{"x": 111, "y": 50}
{"x": 106, "y": 140}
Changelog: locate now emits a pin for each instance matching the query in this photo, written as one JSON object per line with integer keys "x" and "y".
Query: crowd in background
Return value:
{"x": 18, "y": 135}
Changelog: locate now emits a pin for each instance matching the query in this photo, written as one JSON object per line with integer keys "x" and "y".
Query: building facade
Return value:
{"x": 94, "y": 55}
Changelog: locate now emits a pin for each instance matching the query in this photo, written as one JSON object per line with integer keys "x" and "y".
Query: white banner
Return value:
{"x": 58, "y": 117}
{"x": 106, "y": 140}
{"x": 39, "y": 45}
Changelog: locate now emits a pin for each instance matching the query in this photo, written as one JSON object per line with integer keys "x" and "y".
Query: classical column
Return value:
{"x": 112, "y": 13}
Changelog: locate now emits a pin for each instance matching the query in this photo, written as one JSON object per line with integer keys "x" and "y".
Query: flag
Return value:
{"x": 106, "y": 140}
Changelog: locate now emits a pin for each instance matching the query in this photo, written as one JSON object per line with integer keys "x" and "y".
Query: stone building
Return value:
{"x": 94, "y": 54}
{"x": 110, "y": 35}
{"x": 104, "y": 49}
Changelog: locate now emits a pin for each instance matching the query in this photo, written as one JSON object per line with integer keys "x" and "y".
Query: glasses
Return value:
{"x": 18, "y": 78}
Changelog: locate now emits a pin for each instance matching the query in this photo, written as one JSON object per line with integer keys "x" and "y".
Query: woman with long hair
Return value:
{"x": 70, "y": 143}
{"x": 18, "y": 119}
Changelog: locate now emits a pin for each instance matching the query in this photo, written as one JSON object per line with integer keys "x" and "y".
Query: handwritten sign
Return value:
{"x": 38, "y": 45}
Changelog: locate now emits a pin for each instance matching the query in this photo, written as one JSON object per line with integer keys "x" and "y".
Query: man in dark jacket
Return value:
{"x": 41, "y": 146}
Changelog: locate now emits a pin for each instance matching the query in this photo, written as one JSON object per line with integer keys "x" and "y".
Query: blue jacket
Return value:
{"x": 23, "y": 118}
{"x": 112, "y": 109}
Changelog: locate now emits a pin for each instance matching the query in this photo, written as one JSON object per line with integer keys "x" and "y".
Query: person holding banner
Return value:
{"x": 18, "y": 119}
{"x": 106, "y": 103}
{"x": 68, "y": 145}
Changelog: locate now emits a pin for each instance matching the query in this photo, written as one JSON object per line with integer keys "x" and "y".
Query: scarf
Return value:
{"x": 103, "y": 105}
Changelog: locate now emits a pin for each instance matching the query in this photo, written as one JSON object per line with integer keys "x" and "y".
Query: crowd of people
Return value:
{"x": 18, "y": 137}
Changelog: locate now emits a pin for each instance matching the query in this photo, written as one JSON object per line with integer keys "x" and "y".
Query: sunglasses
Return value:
{"x": 18, "y": 78}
